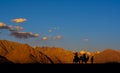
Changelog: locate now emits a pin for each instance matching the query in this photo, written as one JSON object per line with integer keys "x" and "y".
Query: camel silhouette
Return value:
{"x": 76, "y": 58}
{"x": 83, "y": 59}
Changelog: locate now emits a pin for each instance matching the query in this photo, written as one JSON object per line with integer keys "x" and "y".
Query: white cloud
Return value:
{"x": 85, "y": 39}
{"x": 15, "y": 28}
{"x": 19, "y": 20}
{"x": 57, "y": 37}
{"x": 44, "y": 38}
{"x": 19, "y": 28}
{"x": 36, "y": 35}
{"x": 24, "y": 35}
{"x": 2, "y": 24}
{"x": 53, "y": 29}
{"x": 50, "y": 30}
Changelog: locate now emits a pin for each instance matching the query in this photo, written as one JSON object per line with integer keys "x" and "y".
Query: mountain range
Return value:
{"x": 19, "y": 53}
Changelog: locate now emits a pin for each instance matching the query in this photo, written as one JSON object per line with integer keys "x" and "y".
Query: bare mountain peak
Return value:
{"x": 109, "y": 50}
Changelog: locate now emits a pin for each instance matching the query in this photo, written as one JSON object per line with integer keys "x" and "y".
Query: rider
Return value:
{"x": 76, "y": 58}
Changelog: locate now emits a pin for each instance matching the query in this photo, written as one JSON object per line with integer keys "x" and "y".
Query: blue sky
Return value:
{"x": 83, "y": 24}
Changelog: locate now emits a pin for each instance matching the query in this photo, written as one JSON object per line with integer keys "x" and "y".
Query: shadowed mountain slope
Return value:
{"x": 3, "y": 60}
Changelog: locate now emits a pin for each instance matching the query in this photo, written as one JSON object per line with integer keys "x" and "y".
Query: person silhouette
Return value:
{"x": 92, "y": 59}
{"x": 85, "y": 58}
{"x": 76, "y": 58}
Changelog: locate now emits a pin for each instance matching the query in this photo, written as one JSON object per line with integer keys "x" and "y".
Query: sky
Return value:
{"x": 70, "y": 24}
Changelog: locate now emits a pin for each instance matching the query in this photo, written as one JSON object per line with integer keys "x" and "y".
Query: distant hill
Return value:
{"x": 19, "y": 53}
{"x": 108, "y": 56}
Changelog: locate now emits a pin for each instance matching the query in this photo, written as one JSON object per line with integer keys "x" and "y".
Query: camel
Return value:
{"x": 83, "y": 58}
{"x": 76, "y": 58}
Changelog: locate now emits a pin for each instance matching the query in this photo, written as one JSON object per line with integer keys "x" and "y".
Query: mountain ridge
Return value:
{"x": 25, "y": 54}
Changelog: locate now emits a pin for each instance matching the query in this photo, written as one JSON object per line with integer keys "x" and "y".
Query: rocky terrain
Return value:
{"x": 19, "y": 53}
